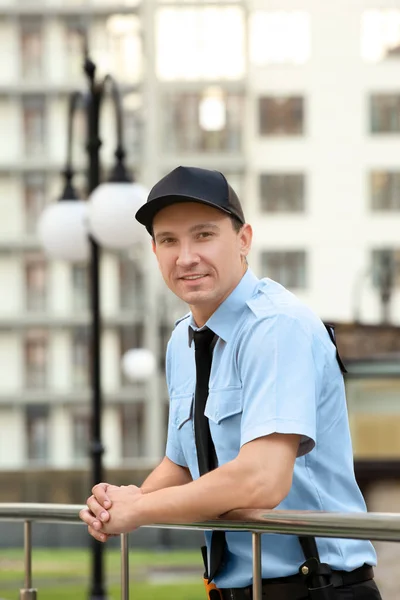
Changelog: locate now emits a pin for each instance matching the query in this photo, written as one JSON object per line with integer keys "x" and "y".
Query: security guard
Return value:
{"x": 257, "y": 408}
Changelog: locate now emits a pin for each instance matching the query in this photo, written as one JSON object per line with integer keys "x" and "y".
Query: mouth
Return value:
{"x": 192, "y": 277}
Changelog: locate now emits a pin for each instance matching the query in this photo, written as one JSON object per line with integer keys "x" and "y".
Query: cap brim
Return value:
{"x": 147, "y": 212}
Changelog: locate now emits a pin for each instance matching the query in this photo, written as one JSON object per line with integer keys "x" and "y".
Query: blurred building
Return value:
{"x": 295, "y": 102}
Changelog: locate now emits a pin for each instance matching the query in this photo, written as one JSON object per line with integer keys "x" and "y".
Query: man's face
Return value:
{"x": 200, "y": 255}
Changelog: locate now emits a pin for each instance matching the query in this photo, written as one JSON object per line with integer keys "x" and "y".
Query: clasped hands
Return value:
{"x": 111, "y": 510}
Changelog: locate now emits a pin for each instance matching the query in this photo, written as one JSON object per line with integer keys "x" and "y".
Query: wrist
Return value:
{"x": 141, "y": 510}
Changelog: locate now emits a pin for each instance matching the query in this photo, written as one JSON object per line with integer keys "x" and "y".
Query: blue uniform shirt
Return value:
{"x": 274, "y": 370}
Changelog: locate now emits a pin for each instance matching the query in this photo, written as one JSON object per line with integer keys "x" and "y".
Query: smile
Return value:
{"x": 193, "y": 277}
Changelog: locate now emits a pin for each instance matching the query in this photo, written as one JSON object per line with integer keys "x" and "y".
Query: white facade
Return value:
{"x": 201, "y": 105}
{"x": 337, "y": 152}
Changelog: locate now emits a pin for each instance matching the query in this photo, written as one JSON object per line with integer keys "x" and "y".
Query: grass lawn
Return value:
{"x": 65, "y": 574}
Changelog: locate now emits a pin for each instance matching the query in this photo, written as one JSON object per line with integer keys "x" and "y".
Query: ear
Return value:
{"x": 153, "y": 245}
{"x": 245, "y": 239}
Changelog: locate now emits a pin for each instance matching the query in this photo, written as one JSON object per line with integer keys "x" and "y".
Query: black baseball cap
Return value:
{"x": 190, "y": 184}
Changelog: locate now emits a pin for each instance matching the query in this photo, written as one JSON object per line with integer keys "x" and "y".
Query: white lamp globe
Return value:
{"x": 112, "y": 209}
{"x": 62, "y": 230}
{"x": 138, "y": 364}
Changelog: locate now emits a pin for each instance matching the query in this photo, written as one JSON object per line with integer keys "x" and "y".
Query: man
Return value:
{"x": 276, "y": 408}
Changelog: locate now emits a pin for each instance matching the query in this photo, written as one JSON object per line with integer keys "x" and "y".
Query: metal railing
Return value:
{"x": 372, "y": 526}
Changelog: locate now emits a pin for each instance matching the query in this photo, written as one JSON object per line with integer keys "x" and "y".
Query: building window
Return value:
{"x": 130, "y": 284}
{"x": 35, "y": 281}
{"x": 385, "y": 113}
{"x": 36, "y": 358}
{"x": 34, "y": 125}
{"x": 31, "y": 42}
{"x": 80, "y": 358}
{"x": 188, "y": 43}
{"x": 74, "y": 39}
{"x": 133, "y": 122}
{"x": 282, "y": 192}
{"x": 34, "y": 199}
{"x": 380, "y": 35}
{"x": 385, "y": 190}
{"x": 208, "y": 122}
{"x": 279, "y": 37}
{"x": 79, "y": 140}
{"x": 386, "y": 267}
{"x": 281, "y": 116}
{"x": 131, "y": 336}
{"x": 125, "y": 47}
{"x": 80, "y": 287}
{"x": 286, "y": 267}
{"x": 81, "y": 435}
{"x": 37, "y": 433}
{"x": 132, "y": 429}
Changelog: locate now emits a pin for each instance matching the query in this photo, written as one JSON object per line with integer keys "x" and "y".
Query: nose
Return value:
{"x": 186, "y": 257}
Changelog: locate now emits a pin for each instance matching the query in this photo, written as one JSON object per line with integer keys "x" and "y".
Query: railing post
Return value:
{"x": 257, "y": 576}
{"x": 124, "y": 566}
{"x": 28, "y": 593}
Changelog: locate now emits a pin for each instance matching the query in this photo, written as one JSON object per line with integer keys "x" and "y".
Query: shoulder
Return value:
{"x": 178, "y": 344}
{"x": 276, "y": 311}
{"x": 180, "y": 331}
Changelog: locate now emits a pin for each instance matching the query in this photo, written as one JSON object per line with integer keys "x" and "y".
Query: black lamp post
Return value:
{"x": 91, "y": 101}
{"x": 109, "y": 216}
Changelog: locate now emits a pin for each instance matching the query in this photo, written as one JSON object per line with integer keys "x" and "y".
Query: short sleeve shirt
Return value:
{"x": 274, "y": 370}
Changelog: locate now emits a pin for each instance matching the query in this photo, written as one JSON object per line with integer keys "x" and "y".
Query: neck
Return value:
{"x": 202, "y": 312}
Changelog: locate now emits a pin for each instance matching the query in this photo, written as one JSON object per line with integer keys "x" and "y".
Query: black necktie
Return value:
{"x": 206, "y": 455}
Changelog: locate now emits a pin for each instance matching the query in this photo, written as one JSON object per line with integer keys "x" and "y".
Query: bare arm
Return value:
{"x": 166, "y": 474}
{"x": 259, "y": 477}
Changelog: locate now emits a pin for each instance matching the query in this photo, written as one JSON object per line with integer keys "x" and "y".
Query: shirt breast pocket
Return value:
{"x": 224, "y": 411}
{"x": 182, "y": 414}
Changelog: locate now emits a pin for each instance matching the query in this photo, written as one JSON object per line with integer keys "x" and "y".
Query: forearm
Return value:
{"x": 220, "y": 491}
{"x": 166, "y": 474}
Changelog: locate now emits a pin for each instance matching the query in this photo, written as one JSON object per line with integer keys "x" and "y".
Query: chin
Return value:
{"x": 195, "y": 298}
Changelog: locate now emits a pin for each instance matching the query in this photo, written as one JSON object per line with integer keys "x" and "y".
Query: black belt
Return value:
{"x": 294, "y": 586}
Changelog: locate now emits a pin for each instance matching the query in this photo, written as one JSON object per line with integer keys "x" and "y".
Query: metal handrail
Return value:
{"x": 376, "y": 526}
{"x": 373, "y": 526}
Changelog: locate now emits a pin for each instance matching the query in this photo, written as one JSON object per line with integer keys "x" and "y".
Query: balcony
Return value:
{"x": 57, "y": 7}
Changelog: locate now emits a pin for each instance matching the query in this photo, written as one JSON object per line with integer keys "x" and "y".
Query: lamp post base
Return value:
{"x": 98, "y": 588}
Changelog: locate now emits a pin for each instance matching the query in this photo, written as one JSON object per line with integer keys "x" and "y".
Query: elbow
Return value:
{"x": 268, "y": 494}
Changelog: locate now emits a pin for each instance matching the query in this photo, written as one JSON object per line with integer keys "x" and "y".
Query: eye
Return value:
{"x": 167, "y": 240}
{"x": 205, "y": 234}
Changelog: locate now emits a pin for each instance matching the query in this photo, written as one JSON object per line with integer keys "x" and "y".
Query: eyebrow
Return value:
{"x": 201, "y": 226}
{"x": 198, "y": 227}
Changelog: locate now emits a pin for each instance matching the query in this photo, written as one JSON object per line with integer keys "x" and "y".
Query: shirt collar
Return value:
{"x": 223, "y": 319}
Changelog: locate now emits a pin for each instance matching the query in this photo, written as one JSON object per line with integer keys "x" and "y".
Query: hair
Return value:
{"x": 236, "y": 224}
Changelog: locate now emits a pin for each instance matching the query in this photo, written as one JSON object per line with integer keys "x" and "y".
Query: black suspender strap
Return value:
{"x": 331, "y": 331}
{"x": 317, "y": 575}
